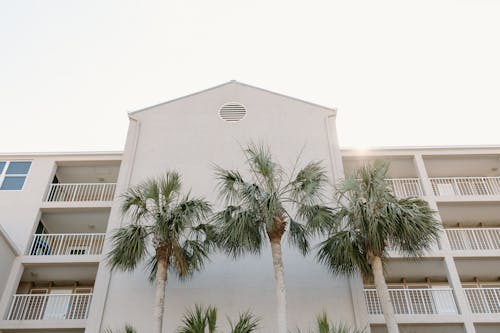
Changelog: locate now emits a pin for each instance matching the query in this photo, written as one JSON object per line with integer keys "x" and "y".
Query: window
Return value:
{"x": 13, "y": 174}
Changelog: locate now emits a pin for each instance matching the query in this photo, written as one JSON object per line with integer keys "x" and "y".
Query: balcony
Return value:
{"x": 423, "y": 301}
{"x": 466, "y": 186}
{"x": 405, "y": 187}
{"x": 66, "y": 244}
{"x": 78, "y": 192}
{"x": 483, "y": 300}
{"x": 50, "y": 306}
{"x": 473, "y": 239}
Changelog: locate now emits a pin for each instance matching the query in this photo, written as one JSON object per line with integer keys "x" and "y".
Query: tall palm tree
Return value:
{"x": 266, "y": 206}
{"x": 370, "y": 219}
{"x": 172, "y": 224}
{"x": 204, "y": 320}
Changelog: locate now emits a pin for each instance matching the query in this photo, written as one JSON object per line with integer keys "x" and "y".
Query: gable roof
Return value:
{"x": 234, "y": 82}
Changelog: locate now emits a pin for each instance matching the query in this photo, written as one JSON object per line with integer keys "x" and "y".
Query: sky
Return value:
{"x": 400, "y": 72}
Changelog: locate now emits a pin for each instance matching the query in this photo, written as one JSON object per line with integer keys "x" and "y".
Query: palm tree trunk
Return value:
{"x": 161, "y": 282}
{"x": 383, "y": 294}
{"x": 279, "y": 278}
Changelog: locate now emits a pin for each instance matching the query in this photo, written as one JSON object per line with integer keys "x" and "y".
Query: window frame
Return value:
{"x": 3, "y": 174}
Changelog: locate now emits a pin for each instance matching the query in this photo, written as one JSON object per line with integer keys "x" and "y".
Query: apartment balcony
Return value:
{"x": 83, "y": 184}
{"x": 405, "y": 187}
{"x": 66, "y": 244}
{"x": 466, "y": 186}
{"x": 85, "y": 194}
{"x": 50, "y": 306}
{"x": 483, "y": 300}
{"x": 52, "y": 297}
{"x": 419, "y": 301}
{"x": 473, "y": 239}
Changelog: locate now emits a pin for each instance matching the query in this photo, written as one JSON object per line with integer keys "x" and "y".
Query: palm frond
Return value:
{"x": 128, "y": 247}
{"x": 194, "y": 321}
{"x": 415, "y": 228}
{"x": 309, "y": 184}
{"x": 318, "y": 218}
{"x": 211, "y": 315}
{"x": 323, "y": 325}
{"x": 246, "y": 323}
{"x": 190, "y": 259}
{"x": 134, "y": 202}
{"x": 298, "y": 236}
{"x": 267, "y": 172}
{"x": 230, "y": 183}
{"x": 239, "y": 231}
{"x": 169, "y": 187}
{"x": 341, "y": 254}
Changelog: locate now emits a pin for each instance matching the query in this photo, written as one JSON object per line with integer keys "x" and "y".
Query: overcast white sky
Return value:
{"x": 423, "y": 72}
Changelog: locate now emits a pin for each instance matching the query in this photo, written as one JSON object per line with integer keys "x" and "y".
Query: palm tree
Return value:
{"x": 172, "y": 223}
{"x": 204, "y": 320}
{"x": 323, "y": 325}
{"x": 266, "y": 206}
{"x": 370, "y": 219}
{"x": 127, "y": 329}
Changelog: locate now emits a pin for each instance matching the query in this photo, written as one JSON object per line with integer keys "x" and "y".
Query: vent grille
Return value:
{"x": 232, "y": 112}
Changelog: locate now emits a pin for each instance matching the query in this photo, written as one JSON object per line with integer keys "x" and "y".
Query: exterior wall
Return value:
{"x": 187, "y": 135}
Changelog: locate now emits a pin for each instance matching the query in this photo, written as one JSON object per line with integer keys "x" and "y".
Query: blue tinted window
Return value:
{"x": 2, "y": 165}
{"x": 18, "y": 168}
{"x": 13, "y": 183}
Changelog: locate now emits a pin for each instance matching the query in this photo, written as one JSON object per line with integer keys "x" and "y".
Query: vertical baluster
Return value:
{"x": 496, "y": 239}
{"x": 91, "y": 244}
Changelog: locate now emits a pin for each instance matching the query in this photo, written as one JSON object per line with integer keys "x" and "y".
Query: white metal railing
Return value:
{"x": 81, "y": 192}
{"x": 451, "y": 186}
{"x": 49, "y": 306}
{"x": 414, "y": 301}
{"x": 66, "y": 244}
{"x": 473, "y": 238}
{"x": 483, "y": 300}
{"x": 405, "y": 187}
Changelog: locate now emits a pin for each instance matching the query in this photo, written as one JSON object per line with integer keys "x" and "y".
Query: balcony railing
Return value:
{"x": 483, "y": 300}
{"x": 49, "y": 307}
{"x": 473, "y": 238}
{"x": 81, "y": 192}
{"x": 459, "y": 186}
{"x": 405, "y": 187}
{"x": 414, "y": 301}
{"x": 66, "y": 244}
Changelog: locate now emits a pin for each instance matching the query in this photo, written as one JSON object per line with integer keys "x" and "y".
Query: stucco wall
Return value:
{"x": 187, "y": 135}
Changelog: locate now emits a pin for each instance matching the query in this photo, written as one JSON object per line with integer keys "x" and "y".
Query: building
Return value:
{"x": 55, "y": 211}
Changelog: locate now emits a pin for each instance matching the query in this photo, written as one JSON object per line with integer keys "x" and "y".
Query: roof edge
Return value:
{"x": 64, "y": 153}
{"x": 131, "y": 113}
{"x": 419, "y": 148}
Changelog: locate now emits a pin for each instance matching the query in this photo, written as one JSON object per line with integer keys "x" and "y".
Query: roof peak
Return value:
{"x": 334, "y": 110}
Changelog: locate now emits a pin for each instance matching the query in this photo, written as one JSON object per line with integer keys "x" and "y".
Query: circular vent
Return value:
{"x": 232, "y": 112}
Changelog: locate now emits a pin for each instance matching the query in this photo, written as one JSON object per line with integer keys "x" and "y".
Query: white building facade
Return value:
{"x": 58, "y": 210}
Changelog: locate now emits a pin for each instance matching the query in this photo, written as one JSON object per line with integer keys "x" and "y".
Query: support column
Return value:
{"x": 423, "y": 176}
{"x": 11, "y": 286}
{"x": 461, "y": 298}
